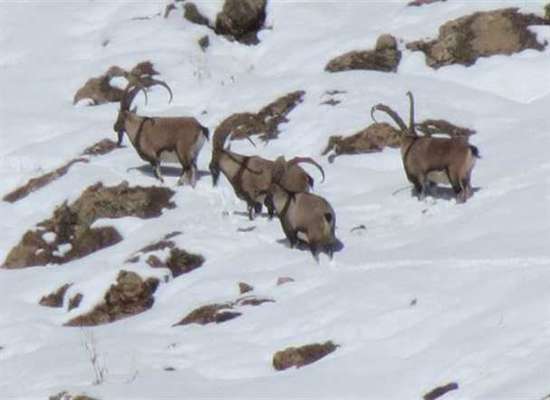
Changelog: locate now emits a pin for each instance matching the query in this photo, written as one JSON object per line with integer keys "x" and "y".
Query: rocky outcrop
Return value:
{"x": 178, "y": 261}
{"x": 99, "y": 89}
{"x": 264, "y": 123}
{"x": 74, "y": 302}
{"x": 97, "y": 149}
{"x": 56, "y": 298}
{"x": 440, "y": 391}
{"x": 131, "y": 295}
{"x": 372, "y": 139}
{"x": 68, "y": 235}
{"x": 300, "y": 356}
{"x": 67, "y": 396}
{"x": 239, "y": 20}
{"x": 245, "y": 287}
{"x": 418, "y": 3}
{"x": 385, "y": 57}
{"x": 221, "y": 312}
{"x": 482, "y": 34}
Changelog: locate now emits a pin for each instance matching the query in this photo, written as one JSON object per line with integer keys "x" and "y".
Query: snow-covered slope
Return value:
{"x": 479, "y": 272}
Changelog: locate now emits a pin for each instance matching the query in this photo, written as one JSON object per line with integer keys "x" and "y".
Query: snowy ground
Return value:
{"x": 478, "y": 271}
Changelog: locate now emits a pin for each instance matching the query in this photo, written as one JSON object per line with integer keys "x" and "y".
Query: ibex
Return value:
{"x": 250, "y": 176}
{"x": 424, "y": 155}
{"x": 156, "y": 139}
{"x": 304, "y": 216}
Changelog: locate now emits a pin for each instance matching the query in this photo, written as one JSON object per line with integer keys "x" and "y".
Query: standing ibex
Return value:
{"x": 303, "y": 216}
{"x": 156, "y": 139}
{"x": 423, "y": 156}
{"x": 250, "y": 176}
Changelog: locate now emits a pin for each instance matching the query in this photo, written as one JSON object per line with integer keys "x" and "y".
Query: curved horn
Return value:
{"x": 393, "y": 115}
{"x": 309, "y": 160}
{"x": 165, "y": 85}
{"x": 129, "y": 94}
{"x": 412, "y": 129}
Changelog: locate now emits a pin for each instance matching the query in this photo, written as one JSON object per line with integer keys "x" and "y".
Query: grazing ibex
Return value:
{"x": 250, "y": 176}
{"x": 303, "y": 216}
{"x": 156, "y": 139}
{"x": 424, "y": 155}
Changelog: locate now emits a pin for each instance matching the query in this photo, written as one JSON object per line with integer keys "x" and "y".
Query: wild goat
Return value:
{"x": 251, "y": 176}
{"x": 424, "y": 155}
{"x": 156, "y": 139}
{"x": 304, "y": 216}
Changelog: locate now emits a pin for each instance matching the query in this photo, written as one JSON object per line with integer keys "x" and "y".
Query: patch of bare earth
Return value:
{"x": 56, "y": 298}
{"x": 264, "y": 123}
{"x": 482, "y": 34}
{"x": 303, "y": 355}
{"x": 130, "y": 295}
{"x": 100, "y": 148}
{"x": 68, "y": 235}
{"x": 221, "y": 312}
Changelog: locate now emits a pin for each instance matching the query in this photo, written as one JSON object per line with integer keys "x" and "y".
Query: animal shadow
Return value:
{"x": 444, "y": 192}
{"x": 166, "y": 171}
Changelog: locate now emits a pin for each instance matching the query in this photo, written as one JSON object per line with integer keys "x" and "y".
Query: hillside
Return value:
{"x": 428, "y": 292}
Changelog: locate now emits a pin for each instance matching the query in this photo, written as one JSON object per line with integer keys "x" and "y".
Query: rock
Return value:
{"x": 210, "y": 313}
{"x": 204, "y": 42}
{"x": 440, "y": 391}
{"x": 245, "y": 288}
{"x": 192, "y": 14}
{"x": 265, "y": 123}
{"x": 74, "y": 302}
{"x": 252, "y": 301}
{"x": 66, "y": 396}
{"x": 300, "y": 356}
{"x": 241, "y": 20}
{"x": 100, "y": 148}
{"x": 131, "y": 295}
{"x": 372, "y": 139}
{"x": 56, "y": 298}
{"x": 70, "y": 226}
{"x": 385, "y": 57}
{"x": 482, "y": 34}
{"x": 99, "y": 89}
{"x": 284, "y": 280}
{"x": 418, "y": 3}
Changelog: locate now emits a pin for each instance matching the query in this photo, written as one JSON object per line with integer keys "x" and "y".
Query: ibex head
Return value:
{"x": 125, "y": 103}
{"x": 218, "y": 148}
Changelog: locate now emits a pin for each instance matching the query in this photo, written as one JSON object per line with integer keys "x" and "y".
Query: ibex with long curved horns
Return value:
{"x": 304, "y": 216}
{"x": 156, "y": 139}
{"x": 423, "y": 156}
{"x": 250, "y": 176}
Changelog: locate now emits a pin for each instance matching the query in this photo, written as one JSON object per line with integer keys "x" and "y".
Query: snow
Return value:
{"x": 478, "y": 271}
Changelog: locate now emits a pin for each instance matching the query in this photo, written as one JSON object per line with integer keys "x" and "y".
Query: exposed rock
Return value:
{"x": 192, "y": 14}
{"x": 204, "y": 42}
{"x": 100, "y": 148}
{"x": 221, "y": 312}
{"x": 266, "y": 122}
{"x": 245, "y": 288}
{"x": 385, "y": 57}
{"x": 284, "y": 280}
{"x": 178, "y": 261}
{"x": 372, "y": 139}
{"x": 418, "y": 3}
{"x": 440, "y": 391}
{"x": 74, "y": 302}
{"x": 100, "y": 90}
{"x": 70, "y": 226}
{"x": 210, "y": 313}
{"x": 431, "y": 127}
{"x": 66, "y": 396}
{"x": 482, "y": 34}
{"x": 38, "y": 183}
{"x": 56, "y": 298}
{"x": 241, "y": 20}
{"x": 130, "y": 295}
{"x": 300, "y": 356}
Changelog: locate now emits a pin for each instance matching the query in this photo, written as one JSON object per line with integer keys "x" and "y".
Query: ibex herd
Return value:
{"x": 282, "y": 186}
